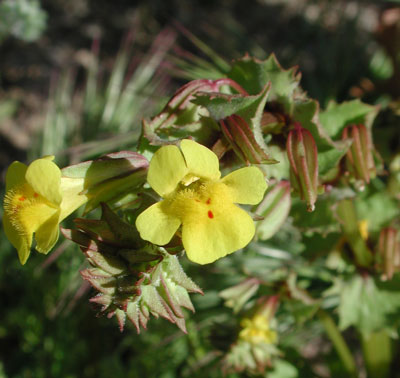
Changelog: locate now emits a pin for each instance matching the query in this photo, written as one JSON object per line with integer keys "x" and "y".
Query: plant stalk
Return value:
{"x": 338, "y": 342}
{"x": 377, "y": 352}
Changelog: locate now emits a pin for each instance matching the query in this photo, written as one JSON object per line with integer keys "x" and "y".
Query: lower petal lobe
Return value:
{"x": 156, "y": 224}
{"x": 216, "y": 234}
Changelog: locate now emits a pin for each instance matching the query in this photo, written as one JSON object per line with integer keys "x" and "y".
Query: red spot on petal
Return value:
{"x": 208, "y": 201}
{"x": 35, "y": 195}
{"x": 22, "y": 198}
{"x": 210, "y": 214}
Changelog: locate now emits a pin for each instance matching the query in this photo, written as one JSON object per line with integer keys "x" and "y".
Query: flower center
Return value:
{"x": 26, "y": 209}
{"x": 200, "y": 200}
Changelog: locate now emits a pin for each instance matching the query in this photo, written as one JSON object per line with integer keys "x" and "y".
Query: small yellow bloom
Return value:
{"x": 363, "y": 228}
{"x": 37, "y": 199}
{"x": 257, "y": 330}
{"x": 198, "y": 199}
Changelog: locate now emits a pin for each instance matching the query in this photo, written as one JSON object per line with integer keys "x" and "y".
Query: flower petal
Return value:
{"x": 156, "y": 225}
{"x": 167, "y": 168}
{"x": 47, "y": 234}
{"x": 217, "y": 234}
{"x": 15, "y": 175}
{"x": 22, "y": 243}
{"x": 30, "y": 218}
{"x": 71, "y": 199}
{"x": 247, "y": 185}
{"x": 44, "y": 177}
{"x": 200, "y": 161}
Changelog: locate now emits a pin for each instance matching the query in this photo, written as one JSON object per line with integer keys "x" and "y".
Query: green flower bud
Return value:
{"x": 359, "y": 160}
{"x": 241, "y": 139}
{"x": 389, "y": 251}
{"x": 302, "y": 153}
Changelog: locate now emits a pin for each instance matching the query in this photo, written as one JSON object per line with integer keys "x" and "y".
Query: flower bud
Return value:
{"x": 242, "y": 140}
{"x": 302, "y": 153}
{"x": 359, "y": 159}
{"x": 389, "y": 250}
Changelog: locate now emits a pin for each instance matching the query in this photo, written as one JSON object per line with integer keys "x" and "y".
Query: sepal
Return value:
{"x": 242, "y": 140}
{"x": 359, "y": 158}
{"x": 303, "y": 157}
{"x": 109, "y": 177}
{"x": 389, "y": 252}
{"x": 133, "y": 279}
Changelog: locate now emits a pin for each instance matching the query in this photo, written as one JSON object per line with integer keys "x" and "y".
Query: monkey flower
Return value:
{"x": 197, "y": 198}
{"x": 37, "y": 199}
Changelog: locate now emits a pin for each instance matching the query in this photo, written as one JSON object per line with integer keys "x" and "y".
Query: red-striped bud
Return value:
{"x": 359, "y": 159}
{"x": 242, "y": 140}
{"x": 303, "y": 158}
{"x": 389, "y": 250}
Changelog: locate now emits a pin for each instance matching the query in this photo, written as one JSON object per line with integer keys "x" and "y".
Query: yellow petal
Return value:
{"x": 200, "y": 161}
{"x": 247, "y": 185}
{"x": 167, "y": 168}
{"x": 47, "y": 234}
{"x": 30, "y": 218}
{"x": 15, "y": 175}
{"x": 71, "y": 199}
{"x": 44, "y": 177}
{"x": 156, "y": 224}
{"x": 22, "y": 243}
{"x": 210, "y": 236}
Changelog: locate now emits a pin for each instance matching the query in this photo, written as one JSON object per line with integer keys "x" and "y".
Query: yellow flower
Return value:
{"x": 363, "y": 228}
{"x": 198, "y": 199}
{"x": 257, "y": 330}
{"x": 37, "y": 199}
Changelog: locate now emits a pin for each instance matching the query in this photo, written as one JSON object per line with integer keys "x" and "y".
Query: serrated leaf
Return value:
{"x": 174, "y": 270}
{"x": 253, "y": 74}
{"x": 109, "y": 264}
{"x": 222, "y": 105}
{"x": 367, "y": 306}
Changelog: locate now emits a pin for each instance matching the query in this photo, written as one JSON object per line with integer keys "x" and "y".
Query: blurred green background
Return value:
{"x": 77, "y": 77}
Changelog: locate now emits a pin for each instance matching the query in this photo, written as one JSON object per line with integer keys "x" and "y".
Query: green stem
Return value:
{"x": 377, "y": 352}
{"x": 349, "y": 222}
{"x": 338, "y": 342}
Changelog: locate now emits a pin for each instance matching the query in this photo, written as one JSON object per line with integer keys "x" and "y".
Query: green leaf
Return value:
{"x": 283, "y": 369}
{"x": 369, "y": 305}
{"x": 322, "y": 219}
{"x": 377, "y": 208}
{"x": 222, "y": 105}
{"x": 253, "y": 74}
{"x": 337, "y": 116}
